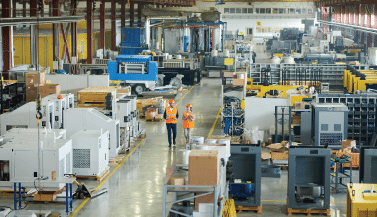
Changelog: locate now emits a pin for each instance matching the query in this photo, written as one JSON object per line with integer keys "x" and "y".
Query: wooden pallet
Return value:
{"x": 282, "y": 167}
{"x": 142, "y": 136}
{"x": 99, "y": 178}
{"x": 257, "y": 209}
{"x": 116, "y": 160}
{"x": 309, "y": 212}
{"x": 55, "y": 215}
{"x": 95, "y": 94}
{"x": 91, "y": 105}
{"x": 153, "y": 120}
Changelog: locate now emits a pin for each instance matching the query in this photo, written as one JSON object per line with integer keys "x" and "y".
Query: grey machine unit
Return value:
{"x": 247, "y": 167}
{"x": 308, "y": 178}
{"x": 125, "y": 119}
{"x": 330, "y": 124}
{"x": 134, "y": 124}
{"x": 368, "y": 173}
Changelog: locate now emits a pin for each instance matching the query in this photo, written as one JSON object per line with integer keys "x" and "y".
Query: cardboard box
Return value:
{"x": 50, "y": 89}
{"x": 203, "y": 199}
{"x": 348, "y": 144}
{"x": 279, "y": 155}
{"x": 32, "y": 79}
{"x": 266, "y": 155}
{"x": 239, "y": 82}
{"x": 203, "y": 167}
{"x": 277, "y": 147}
{"x": 296, "y": 119}
{"x": 47, "y": 195}
{"x": 299, "y": 105}
{"x": 228, "y": 74}
{"x": 177, "y": 181}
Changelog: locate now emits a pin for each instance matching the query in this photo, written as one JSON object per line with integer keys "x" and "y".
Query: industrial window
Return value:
{"x": 268, "y": 10}
{"x": 337, "y": 127}
{"x": 262, "y": 10}
{"x": 232, "y": 10}
{"x": 250, "y": 10}
{"x": 238, "y": 10}
{"x": 249, "y": 31}
{"x": 82, "y": 47}
{"x": 226, "y": 10}
{"x": 257, "y": 10}
{"x": 244, "y": 10}
{"x": 298, "y": 10}
{"x": 274, "y": 10}
{"x": 324, "y": 127}
{"x": 304, "y": 11}
{"x": 281, "y": 10}
{"x": 310, "y": 11}
{"x": 291, "y": 10}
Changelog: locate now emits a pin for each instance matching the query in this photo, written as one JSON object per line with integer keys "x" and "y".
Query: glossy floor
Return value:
{"x": 135, "y": 188}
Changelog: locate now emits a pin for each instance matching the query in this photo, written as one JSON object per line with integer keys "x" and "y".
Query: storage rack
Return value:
{"x": 183, "y": 193}
{"x": 330, "y": 73}
{"x": 361, "y": 116}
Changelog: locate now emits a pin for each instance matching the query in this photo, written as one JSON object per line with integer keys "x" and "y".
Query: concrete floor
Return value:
{"x": 135, "y": 189}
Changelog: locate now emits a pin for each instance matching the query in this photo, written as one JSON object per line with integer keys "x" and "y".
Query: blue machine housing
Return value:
{"x": 150, "y": 76}
{"x": 133, "y": 40}
{"x": 241, "y": 190}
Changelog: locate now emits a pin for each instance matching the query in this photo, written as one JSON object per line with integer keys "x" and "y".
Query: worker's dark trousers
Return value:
{"x": 170, "y": 128}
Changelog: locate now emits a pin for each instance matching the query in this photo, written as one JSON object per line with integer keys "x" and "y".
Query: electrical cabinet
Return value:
{"x": 60, "y": 104}
{"x": 90, "y": 152}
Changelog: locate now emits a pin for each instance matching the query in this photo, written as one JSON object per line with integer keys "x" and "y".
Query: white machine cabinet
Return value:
{"x": 25, "y": 117}
{"x": 22, "y": 156}
{"x": 66, "y": 101}
{"x": 77, "y": 119}
{"x": 90, "y": 152}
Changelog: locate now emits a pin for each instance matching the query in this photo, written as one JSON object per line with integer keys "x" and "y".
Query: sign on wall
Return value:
{"x": 259, "y": 23}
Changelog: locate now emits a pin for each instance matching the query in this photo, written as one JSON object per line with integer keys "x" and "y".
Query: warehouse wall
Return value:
{"x": 270, "y": 23}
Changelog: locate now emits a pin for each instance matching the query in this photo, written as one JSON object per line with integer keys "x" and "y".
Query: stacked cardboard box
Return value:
{"x": 299, "y": 105}
{"x": 296, "y": 119}
{"x": 203, "y": 170}
{"x": 141, "y": 103}
{"x": 31, "y": 83}
{"x": 280, "y": 151}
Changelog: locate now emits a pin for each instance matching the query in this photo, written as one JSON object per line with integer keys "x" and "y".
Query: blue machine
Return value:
{"x": 136, "y": 70}
{"x": 241, "y": 190}
{"x": 133, "y": 40}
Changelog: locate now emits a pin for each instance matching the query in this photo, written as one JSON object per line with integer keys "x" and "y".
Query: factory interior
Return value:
{"x": 188, "y": 108}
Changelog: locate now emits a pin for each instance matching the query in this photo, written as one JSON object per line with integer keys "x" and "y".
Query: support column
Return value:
{"x": 351, "y": 16}
{"x": 102, "y": 25}
{"x": 139, "y": 7}
{"x": 123, "y": 14}
{"x": 113, "y": 25}
{"x": 362, "y": 13}
{"x": 14, "y": 7}
{"x": 34, "y": 35}
{"x": 338, "y": 12}
{"x": 89, "y": 31}
{"x": 357, "y": 11}
{"x": 375, "y": 24}
{"x": 6, "y": 39}
{"x": 55, "y": 31}
{"x": 347, "y": 21}
{"x": 24, "y": 10}
{"x": 333, "y": 16}
{"x": 132, "y": 14}
{"x": 341, "y": 14}
{"x": 74, "y": 67}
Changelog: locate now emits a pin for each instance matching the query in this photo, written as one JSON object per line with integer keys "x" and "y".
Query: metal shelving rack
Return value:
{"x": 188, "y": 192}
{"x": 362, "y": 115}
{"x": 331, "y": 73}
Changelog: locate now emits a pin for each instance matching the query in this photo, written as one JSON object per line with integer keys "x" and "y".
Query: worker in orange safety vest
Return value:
{"x": 171, "y": 117}
{"x": 188, "y": 122}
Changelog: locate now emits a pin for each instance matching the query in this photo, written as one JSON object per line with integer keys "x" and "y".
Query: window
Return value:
{"x": 268, "y": 10}
{"x": 226, "y": 10}
{"x": 238, "y": 10}
{"x": 262, "y": 10}
{"x": 275, "y": 11}
{"x": 244, "y": 10}
{"x": 298, "y": 10}
{"x": 304, "y": 11}
{"x": 232, "y": 10}
{"x": 310, "y": 11}
{"x": 249, "y": 31}
{"x": 281, "y": 10}
{"x": 257, "y": 10}
{"x": 250, "y": 10}
{"x": 291, "y": 10}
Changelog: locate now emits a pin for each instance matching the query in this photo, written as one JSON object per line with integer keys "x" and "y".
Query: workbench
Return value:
{"x": 19, "y": 180}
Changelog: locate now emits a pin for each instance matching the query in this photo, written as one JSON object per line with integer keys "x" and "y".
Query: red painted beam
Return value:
{"x": 6, "y": 39}
{"x": 34, "y": 13}
{"x": 89, "y": 32}
{"x": 102, "y": 25}
{"x": 139, "y": 8}
{"x": 132, "y": 14}
{"x": 123, "y": 14}
{"x": 74, "y": 68}
{"x": 65, "y": 49}
{"x": 55, "y": 33}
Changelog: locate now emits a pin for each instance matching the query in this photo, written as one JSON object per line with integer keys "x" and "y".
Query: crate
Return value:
{"x": 358, "y": 203}
{"x": 95, "y": 94}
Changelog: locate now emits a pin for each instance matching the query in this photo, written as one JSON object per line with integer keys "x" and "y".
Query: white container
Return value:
{"x": 227, "y": 143}
{"x": 201, "y": 147}
{"x": 275, "y": 60}
{"x": 197, "y": 139}
{"x": 211, "y": 141}
{"x": 170, "y": 57}
{"x": 183, "y": 154}
{"x": 289, "y": 60}
{"x": 240, "y": 75}
{"x": 226, "y": 53}
{"x": 214, "y": 53}
{"x": 179, "y": 57}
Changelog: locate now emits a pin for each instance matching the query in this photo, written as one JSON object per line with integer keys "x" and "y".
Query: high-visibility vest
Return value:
{"x": 170, "y": 115}
{"x": 188, "y": 124}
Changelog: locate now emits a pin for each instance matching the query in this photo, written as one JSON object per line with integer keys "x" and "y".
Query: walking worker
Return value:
{"x": 188, "y": 122}
{"x": 171, "y": 116}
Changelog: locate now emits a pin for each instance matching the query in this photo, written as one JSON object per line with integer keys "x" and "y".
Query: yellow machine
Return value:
{"x": 360, "y": 200}
{"x": 353, "y": 82}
